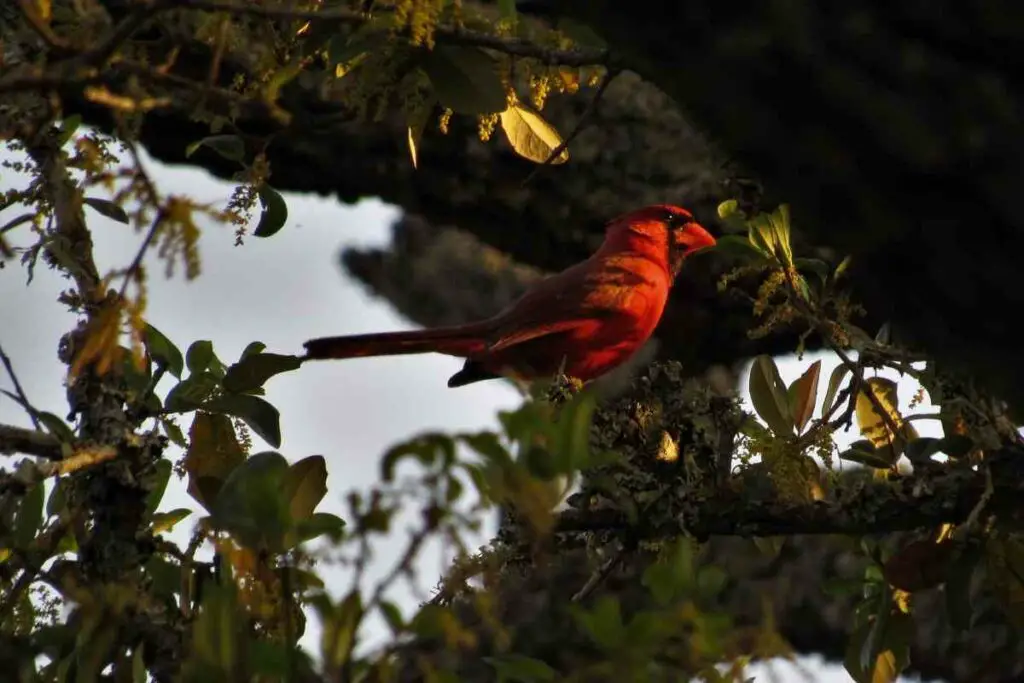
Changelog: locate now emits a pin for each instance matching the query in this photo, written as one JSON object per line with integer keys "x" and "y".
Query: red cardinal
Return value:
{"x": 583, "y": 321}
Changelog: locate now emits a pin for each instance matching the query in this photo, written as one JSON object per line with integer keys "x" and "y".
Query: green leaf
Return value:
{"x": 57, "y": 501}
{"x": 190, "y": 393}
{"x": 465, "y": 79}
{"x": 507, "y": 8}
{"x": 261, "y": 417}
{"x": 199, "y": 356}
{"x": 251, "y": 349}
{"x": 393, "y": 616}
{"x": 139, "y": 665}
{"x": 812, "y": 265}
{"x": 878, "y": 652}
{"x": 305, "y": 485}
{"x": 29, "y": 516}
{"x": 274, "y": 214}
{"x": 318, "y": 524}
{"x": 165, "y": 521}
{"x": 425, "y": 448}
{"x": 531, "y": 136}
{"x": 68, "y": 128}
{"x": 173, "y": 432}
{"x": 603, "y": 623}
{"x": 212, "y": 455}
{"x": 56, "y": 426}
{"x": 672, "y": 574}
{"x": 218, "y": 633}
{"x": 161, "y": 475}
{"x": 162, "y": 350}
{"x": 252, "y": 371}
{"x": 835, "y": 380}
{"x": 231, "y": 147}
{"x": 107, "y": 208}
{"x": 739, "y": 247}
{"x": 802, "y": 395}
{"x": 570, "y": 450}
{"x": 520, "y": 669}
{"x": 251, "y": 504}
{"x": 338, "y": 637}
{"x": 864, "y": 452}
{"x": 768, "y": 394}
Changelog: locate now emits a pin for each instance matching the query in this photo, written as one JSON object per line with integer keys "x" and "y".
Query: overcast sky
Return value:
{"x": 282, "y": 291}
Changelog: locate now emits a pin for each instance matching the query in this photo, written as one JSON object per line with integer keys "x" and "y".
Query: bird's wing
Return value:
{"x": 532, "y": 331}
{"x": 561, "y": 303}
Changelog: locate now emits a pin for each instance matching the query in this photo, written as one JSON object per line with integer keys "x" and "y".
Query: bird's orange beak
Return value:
{"x": 693, "y": 238}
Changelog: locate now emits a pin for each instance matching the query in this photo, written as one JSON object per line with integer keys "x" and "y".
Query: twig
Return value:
{"x": 599, "y": 575}
{"x": 136, "y": 264}
{"x": 18, "y": 388}
{"x": 29, "y": 442}
{"x": 587, "y": 113}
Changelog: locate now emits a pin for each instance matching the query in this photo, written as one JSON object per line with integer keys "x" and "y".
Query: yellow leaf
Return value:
{"x": 531, "y": 136}
{"x": 874, "y": 426}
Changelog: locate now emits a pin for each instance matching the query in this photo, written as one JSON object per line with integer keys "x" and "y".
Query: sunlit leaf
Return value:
{"x": 531, "y": 136}
{"x": 874, "y": 425}
{"x": 274, "y": 214}
{"x": 305, "y": 485}
{"x": 465, "y": 79}
{"x": 803, "y": 394}
{"x": 165, "y": 521}
{"x": 339, "y": 624}
{"x": 107, "y": 208}
{"x": 768, "y": 394}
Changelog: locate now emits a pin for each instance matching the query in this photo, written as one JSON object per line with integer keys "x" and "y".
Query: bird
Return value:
{"x": 581, "y": 322}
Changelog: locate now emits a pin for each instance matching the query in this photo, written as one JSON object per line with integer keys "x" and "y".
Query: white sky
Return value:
{"x": 282, "y": 291}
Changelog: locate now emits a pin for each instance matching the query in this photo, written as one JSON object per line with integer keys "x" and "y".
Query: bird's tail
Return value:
{"x": 462, "y": 341}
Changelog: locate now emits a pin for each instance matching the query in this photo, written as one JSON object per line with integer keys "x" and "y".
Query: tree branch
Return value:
{"x": 908, "y": 503}
{"x": 14, "y": 440}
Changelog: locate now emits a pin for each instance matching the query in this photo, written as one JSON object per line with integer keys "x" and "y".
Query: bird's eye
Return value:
{"x": 675, "y": 220}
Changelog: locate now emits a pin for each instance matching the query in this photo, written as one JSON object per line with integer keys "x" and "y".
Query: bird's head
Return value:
{"x": 672, "y": 230}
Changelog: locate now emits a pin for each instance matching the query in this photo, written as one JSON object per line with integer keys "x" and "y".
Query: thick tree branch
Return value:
{"x": 908, "y": 503}
{"x": 14, "y": 440}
